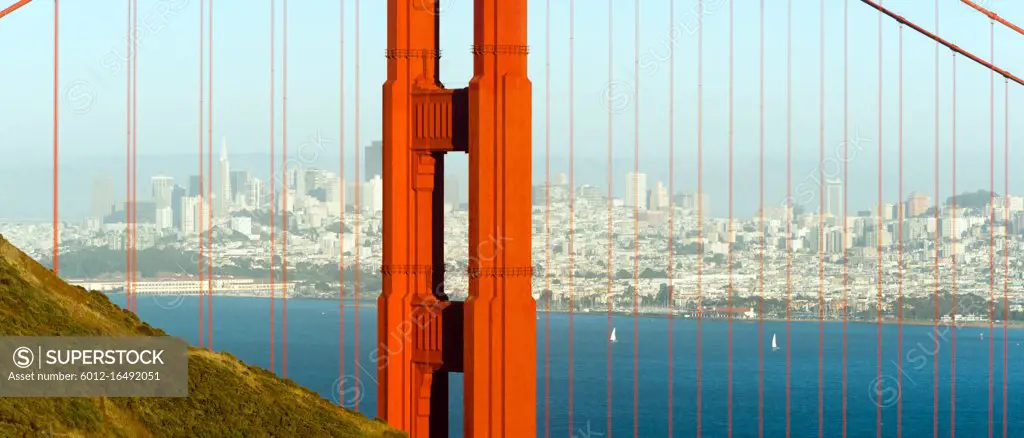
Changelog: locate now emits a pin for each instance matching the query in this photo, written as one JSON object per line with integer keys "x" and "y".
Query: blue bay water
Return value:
{"x": 241, "y": 327}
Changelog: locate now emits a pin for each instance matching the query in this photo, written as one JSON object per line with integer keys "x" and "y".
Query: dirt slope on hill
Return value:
{"x": 226, "y": 396}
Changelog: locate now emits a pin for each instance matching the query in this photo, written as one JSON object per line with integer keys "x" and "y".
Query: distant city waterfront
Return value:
{"x": 651, "y": 251}
{"x": 240, "y": 288}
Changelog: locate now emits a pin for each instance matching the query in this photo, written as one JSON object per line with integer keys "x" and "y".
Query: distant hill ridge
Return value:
{"x": 226, "y": 396}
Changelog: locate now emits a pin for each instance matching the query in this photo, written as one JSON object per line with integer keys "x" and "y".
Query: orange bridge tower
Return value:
{"x": 422, "y": 336}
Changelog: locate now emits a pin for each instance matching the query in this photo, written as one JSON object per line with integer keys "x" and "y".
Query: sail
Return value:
{"x": 612, "y": 338}
{"x": 774, "y": 343}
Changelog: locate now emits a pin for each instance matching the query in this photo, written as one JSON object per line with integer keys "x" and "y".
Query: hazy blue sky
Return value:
{"x": 93, "y": 85}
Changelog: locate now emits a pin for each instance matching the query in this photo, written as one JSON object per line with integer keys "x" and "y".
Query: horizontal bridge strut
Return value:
{"x": 440, "y": 120}
{"x": 507, "y": 271}
{"x": 437, "y": 334}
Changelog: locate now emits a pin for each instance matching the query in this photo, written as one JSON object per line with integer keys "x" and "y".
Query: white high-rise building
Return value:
{"x": 287, "y": 202}
{"x": 299, "y": 181}
{"x": 162, "y": 187}
{"x": 373, "y": 195}
{"x": 256, "y": 200}
{"x": 694, "y": 202}
{"x": 224, "y": 206}
{"x": 316, "y": 179}
{"x": 636, "y": 190}
{"x": 352, "y": 190}
{"x": 659, "y": 197}
{"x": 451, "y": 190}
{"x": 887, "y": 211}
{"x": 164, "y": 218}
{"x": 335, "y": 196}
{"x": 189, "y": 214}
{"x": 103, "y": 198}
{"x": 833, "y": 198}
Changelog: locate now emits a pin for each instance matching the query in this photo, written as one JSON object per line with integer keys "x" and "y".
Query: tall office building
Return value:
{"x": 189, "y": 214}
{"x": 335, "y": 196}
{"x": 373, "y": 195}
{"x": 312, "y": 179}
{"x": 451, "y": 190}
{"x": 659, "y": 197}
{"x": 817, "y": 238}
{"x": 103, "y": 197}
{"x": 833, "y": 197}
{"x": 177, "y": 194}
{"x": 298, "y": 185}
{"x": 538, "y": 194}
{"x": 194, "y": 183}
{"x": 162, "y": 187}
{"x": 917, "y": 204}
{"x": 224, "y": 196}
{"x": 352, "y": 192}
{"x": 164, "y": 218}
{"x": 886, "y": 211}
{"x": 316, "y": 179}
{"x": 689, "y": 201}
{"x": 144, "y": 212}
{"x": 685, "y": 201}
{"x": 374, "y": 160}
{"x": 827, "y": 240}
{"x": 239, "y": 183}
{"x": 636, "y": 190}
{"x": 256, "y": 193}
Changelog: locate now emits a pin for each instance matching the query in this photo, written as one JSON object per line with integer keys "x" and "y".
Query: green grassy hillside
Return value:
{"x": 227, "y": 398}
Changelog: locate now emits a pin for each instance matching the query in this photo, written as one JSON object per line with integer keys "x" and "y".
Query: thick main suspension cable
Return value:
{"x": 13, "y": 7}
{"x": 993, "y": 16}
{"x": 942, "y": 41}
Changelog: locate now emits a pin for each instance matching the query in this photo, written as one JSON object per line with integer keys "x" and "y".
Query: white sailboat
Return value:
{"x": 612, "y": 338}
{"x": 775, "y": 344}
